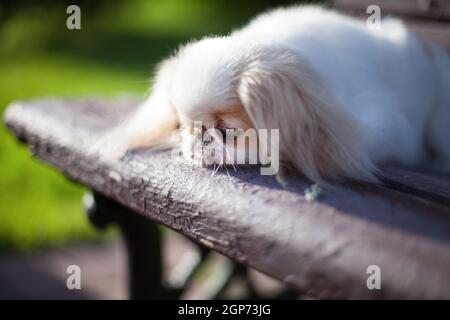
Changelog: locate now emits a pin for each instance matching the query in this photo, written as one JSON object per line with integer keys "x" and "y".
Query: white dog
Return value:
{"x": 345, "y": 98}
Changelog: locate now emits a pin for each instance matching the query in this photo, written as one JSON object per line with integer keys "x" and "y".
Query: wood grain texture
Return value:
{"x": 321, "y": 247}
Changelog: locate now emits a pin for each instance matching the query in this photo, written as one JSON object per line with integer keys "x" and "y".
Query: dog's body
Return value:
{"x": 344, "y": 97}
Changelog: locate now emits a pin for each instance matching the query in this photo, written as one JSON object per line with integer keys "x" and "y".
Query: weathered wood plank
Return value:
{"x": 321, "y": 247}
{"x": 434, "y": 187}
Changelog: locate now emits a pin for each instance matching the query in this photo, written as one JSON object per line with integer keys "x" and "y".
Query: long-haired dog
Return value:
{"x": 344, "y": 97}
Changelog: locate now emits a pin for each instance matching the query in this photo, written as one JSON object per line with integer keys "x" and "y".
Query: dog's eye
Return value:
{"x": 223, "y": 131}
{"x": 226, "y": 132}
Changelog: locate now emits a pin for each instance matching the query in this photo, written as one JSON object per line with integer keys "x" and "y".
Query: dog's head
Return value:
{"x": 227, "y": 85}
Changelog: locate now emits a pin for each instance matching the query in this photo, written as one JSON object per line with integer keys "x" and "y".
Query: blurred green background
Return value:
{"x": 114, "y": 53}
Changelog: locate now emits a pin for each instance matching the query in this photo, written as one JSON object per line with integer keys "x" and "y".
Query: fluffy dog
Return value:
{"x": 344, "y": 97}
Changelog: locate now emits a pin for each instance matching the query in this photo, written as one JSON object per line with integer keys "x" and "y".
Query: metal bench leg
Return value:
{"x": 143, "y": 244}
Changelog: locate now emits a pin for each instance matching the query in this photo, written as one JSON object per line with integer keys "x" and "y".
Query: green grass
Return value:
{"x": 114, "y": 53}
{"x": 38, "y": 207}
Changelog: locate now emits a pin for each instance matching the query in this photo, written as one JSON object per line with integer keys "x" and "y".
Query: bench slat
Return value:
{"x": 429, "y": 186}
{"x": 321, "y": 247}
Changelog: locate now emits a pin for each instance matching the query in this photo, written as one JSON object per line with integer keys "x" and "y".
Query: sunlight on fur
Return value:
{"x": 344, "y": 98}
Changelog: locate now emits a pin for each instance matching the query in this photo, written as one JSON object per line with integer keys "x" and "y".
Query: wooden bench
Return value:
{"x": 320, "y": 248}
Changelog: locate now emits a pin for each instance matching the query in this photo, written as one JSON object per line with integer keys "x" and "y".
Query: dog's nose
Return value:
{"x": 208, "y": 141}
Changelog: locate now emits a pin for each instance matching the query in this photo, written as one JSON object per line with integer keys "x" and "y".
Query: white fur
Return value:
{"x": 345, "y": 98}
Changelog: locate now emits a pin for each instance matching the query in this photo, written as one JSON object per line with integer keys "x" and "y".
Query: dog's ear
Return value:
{"x": 280, "y": 91}
{"x": 150, "y": 125}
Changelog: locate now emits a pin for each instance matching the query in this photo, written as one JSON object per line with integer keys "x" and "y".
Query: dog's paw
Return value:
{"x": 109, "y": 146}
